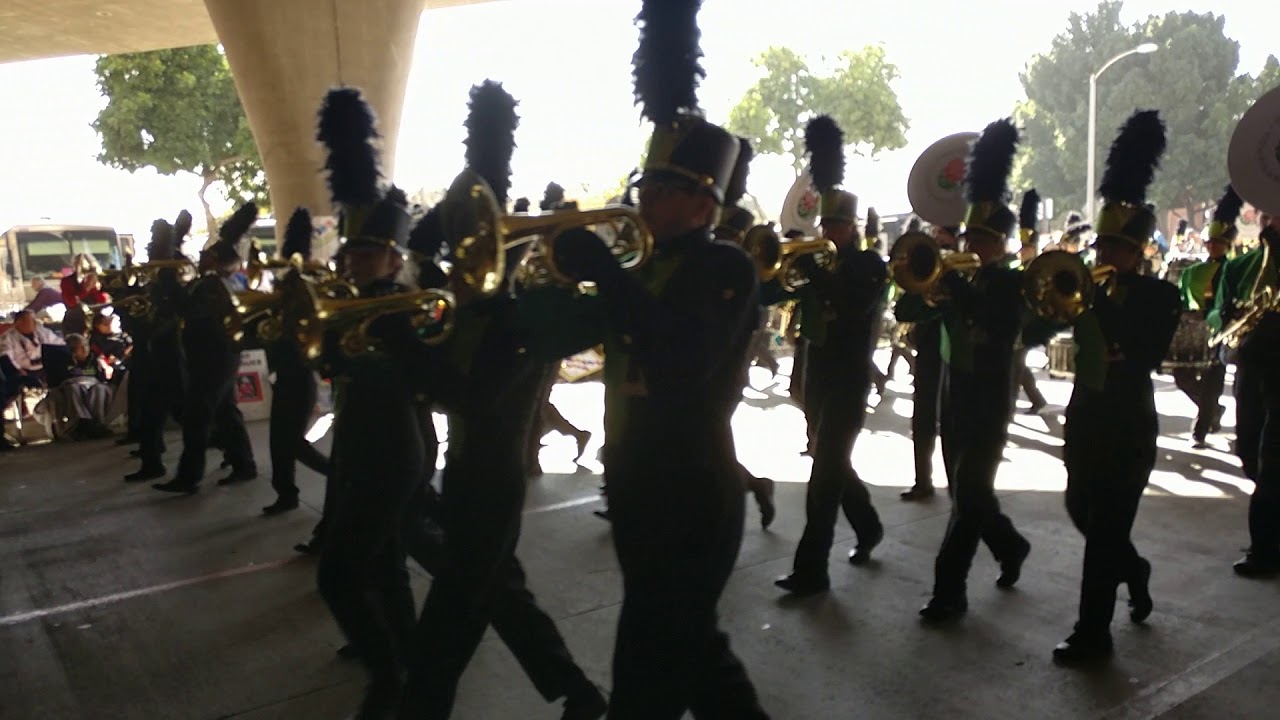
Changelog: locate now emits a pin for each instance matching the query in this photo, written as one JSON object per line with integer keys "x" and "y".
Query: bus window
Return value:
{"x": 48, "y": 253}
{"x": 266, "y": 237}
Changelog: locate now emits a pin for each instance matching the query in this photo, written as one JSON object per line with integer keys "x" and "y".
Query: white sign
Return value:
{"x": 253, "y": 388}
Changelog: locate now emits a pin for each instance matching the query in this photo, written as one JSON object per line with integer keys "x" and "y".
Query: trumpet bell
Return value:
{"x": 1060, "y": 287}
{"x": 619, "y": 226}
{"x": 472, "y": 222}
{"x": 917, "y": 263}
{"x": 765, "y": 249}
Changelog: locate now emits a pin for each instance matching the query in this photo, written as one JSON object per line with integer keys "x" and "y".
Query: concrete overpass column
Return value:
{"x": 286, "y": 54}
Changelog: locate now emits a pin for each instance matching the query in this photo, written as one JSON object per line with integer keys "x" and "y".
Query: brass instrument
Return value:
{"x": 1060, "y": 287}
{"x": 776, "y": 258}
{"x": 1253, "y": 166}
{"x": 480, "y": 234}
{"x": 913, "y": 252}
{"x": 131, "y": 275}
{"x": 309, "y": 309}
{"x": 133, "y": 305}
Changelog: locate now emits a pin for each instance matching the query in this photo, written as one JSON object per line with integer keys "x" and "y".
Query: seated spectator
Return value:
{"x": 111, "y": 346}
{"x": 26, "y": 349}
{"x": 80, "y": 402}
{"x": 46, "y": 297}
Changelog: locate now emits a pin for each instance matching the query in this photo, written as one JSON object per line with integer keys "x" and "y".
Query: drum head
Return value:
{"x": 1253, "y": 157}
{"x": 936, "y": 184}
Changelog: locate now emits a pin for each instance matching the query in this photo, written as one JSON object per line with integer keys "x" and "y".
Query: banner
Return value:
{"x": 253, "y": 388}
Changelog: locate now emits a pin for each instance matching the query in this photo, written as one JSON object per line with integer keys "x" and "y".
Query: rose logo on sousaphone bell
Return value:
{"x": 952, "y": 174}
{"x": 808, "y": 205}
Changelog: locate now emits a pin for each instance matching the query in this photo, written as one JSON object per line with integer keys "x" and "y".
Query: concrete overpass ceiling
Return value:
{"x": 35, "y": 29}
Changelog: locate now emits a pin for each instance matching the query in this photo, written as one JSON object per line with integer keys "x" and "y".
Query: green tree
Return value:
{"x": 859, "y": 96}
{"x": 1191, "y": 80}
{"x": 178, "y": 111}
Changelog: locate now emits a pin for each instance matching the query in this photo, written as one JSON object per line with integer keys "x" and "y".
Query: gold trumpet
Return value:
{"x": 776, "y": 258}
{"x": 310, "y": 309}
{"x": 133, "y": 305}
{"x": 914, "y": 252}
{"x": 480, "y": 234}
{"x": 1060, "y": 287}
{"x": 138, "y": 275}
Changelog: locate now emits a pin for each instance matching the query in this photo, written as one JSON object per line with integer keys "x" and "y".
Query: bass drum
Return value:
{"x": 1062, "y": 356}
{"x": 1190, "y": 346}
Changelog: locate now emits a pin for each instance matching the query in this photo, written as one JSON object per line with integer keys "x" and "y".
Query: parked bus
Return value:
{"x": 46, "y": 250}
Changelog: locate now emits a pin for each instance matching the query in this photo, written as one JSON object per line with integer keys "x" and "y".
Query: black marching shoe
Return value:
{"x": 1011, "y": 568}
{"x": 178, "y": 485}
{"x": 862, "y": 554}
{"x": 585, "y": 703}
{"x": 281, "y": 505}
{"x": 942, "y": 610}
{"x": 1256, "y": 565}
{"x": 1080, "y": 649}
{"x": 919, "y": 491}
{"x": 146, "y": 473}
{"x": 800, "y": 584}
{"x": 763, "y": 493}
{"x": 1140, "y": 603}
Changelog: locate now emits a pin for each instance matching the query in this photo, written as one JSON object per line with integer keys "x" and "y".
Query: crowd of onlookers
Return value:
{"x": 64, "y": 360}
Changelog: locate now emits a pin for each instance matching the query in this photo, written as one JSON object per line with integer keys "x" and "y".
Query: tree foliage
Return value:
{"x": 178, "y": 111}
{"x": 859, "y": 96}
{"x": 1191, "y": 80}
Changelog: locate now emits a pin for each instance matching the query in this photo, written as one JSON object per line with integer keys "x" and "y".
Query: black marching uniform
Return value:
{"x": 675, "y": 365}
{"x": 493, "y": 396}
{"x": 158, "y": 363}
{"x": 983, "y": 320}
{"x": 1111, "y": 420}
{"x": 213, "y": 358}
{"x": 842, "y": 310}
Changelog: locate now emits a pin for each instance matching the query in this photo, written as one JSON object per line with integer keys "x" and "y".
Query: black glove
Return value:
{"x": 581, "y": 255}
{"x": 807, "y": 264}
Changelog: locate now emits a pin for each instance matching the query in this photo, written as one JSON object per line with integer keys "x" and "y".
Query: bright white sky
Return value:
{"x": 568, "y": 63}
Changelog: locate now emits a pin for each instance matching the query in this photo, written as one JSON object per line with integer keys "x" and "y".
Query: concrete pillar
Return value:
{"x": 286, "y": 54}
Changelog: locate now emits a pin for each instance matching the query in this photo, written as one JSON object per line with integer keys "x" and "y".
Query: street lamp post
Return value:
{"x": 1091, "y": 190}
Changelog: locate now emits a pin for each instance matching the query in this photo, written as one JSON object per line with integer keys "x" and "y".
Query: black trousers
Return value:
{"x": 1257, "y": 391}
{"x": 211, "y": 406}
{"x": 837, "y": 409}
{"x": 1204, "y": 387}
{"x": 293, "y": 400}
{"x": 1108, "y": 466}
{"x": 1025, "y": 380}
{"x": 973, "y": 439}
{"x": 164, "y": 387}
{"x": 677, "y": 531}
{"x": 926, "y": 399}
{"x": 377, "y": 461}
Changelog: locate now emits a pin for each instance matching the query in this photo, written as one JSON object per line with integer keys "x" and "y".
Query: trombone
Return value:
{"x": 1060, "y": 287}
{"x": 776, "y": 258}
{"x": 480, "y": 234}
{"x": 917, "y": 263}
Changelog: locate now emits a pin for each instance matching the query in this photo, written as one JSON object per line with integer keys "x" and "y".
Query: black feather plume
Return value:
{"x": 1133, "y": 159}
{"x": 1073, "y": 218}
{"x": 347, "y": 129}
{"x": 1229, "y": 207}
{"x": 161, "y": 246}
{"x": 1182, "y": 227}
{"x": 741, "y": 170}
{"x": 397, "y": 196}
{"x": 872, "y": 230}
{"x": 665, "y": 66}
{"x": 1029, "y": 213}
{"x": 824, "y": 141}
{"x": 521, "y": 205}
{"x": 913, "y": 225}
{"x": 181, "y": 227}
{"x": 552, "y": 197}
{"x": 990, "y": 162}
{"x": 491, "y": 136}
{"x": 297, "y": 235}
{"x": 238, "y": 224}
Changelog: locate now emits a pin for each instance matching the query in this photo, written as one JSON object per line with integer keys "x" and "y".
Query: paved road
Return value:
{"x": 120, "y": 602}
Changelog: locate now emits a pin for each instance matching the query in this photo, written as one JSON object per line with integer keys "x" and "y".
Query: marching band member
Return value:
{"x": 1198, "y": 284}
{"x": 1111, "y": 421}
{"x": 982, "y": 320}
{"x": 157, "y": 364}
{"x": 678, "y": 329}
{"x": 212, "y": 361}
{"x": 1028, "y": 219}
{"x": 841, "y": 314}
{"x": 293, "y": 393}
{"x": 1257, "y": 392}
{"x": 492, "y": 398}
{"x": 733, "y": 225}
